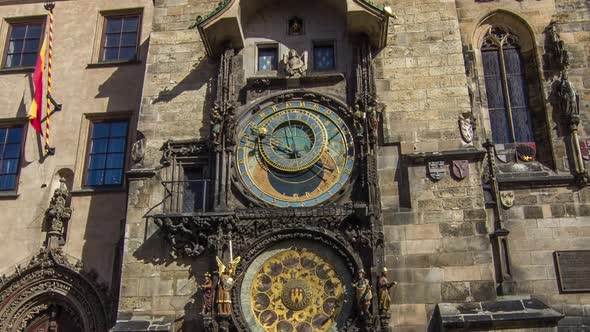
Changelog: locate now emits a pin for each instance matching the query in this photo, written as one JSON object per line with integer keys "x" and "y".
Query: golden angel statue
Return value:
{"x": 227, "y": 281}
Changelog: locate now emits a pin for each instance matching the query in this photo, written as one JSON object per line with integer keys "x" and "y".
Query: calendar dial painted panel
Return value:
{"x": 295, "y": 154}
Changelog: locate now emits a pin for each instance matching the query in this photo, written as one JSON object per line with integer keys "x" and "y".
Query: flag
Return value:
{"x": 36, "y": 112}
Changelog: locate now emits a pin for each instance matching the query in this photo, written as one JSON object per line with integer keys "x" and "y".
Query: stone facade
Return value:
{"x": 463, "y": 257}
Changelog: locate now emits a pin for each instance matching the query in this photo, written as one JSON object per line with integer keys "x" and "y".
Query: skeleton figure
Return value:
{"x": 227, "y": 281}
{"x": 295, "y": 64}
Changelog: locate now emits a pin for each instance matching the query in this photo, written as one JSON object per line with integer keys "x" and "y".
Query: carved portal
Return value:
{"x": 52, "y": 278}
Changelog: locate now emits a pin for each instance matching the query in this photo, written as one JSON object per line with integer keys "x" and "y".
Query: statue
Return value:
{"x": 225, "y": 285}
{"x": 383, "y": 287}
{"x": 207, "y": 297}
{"x": 364, "y": 294}
{"x": 568, "y": 97}
{"x": 58, "y": 213}
{"x": 359, "y": 119}
{"x": 295, "y": 64}
{"x": 138, "y": 149}
{"x": 559, "y": 52}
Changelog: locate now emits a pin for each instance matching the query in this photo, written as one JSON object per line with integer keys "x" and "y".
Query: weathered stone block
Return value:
{"x": 455, "y": 291}
{"x": 456, "y": 230}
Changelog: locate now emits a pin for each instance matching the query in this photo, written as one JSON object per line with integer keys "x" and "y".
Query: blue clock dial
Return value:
{"x": 295, "y": 153}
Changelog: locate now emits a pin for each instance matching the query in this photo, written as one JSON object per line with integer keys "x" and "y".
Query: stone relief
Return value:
{"x": 507, "y": 199}
{"x": 295, "y": 65}
{"x": 58, "y": 213}
{"x": 460, "y": 169}
{"x": 436, "y": 169}
{"x": 558, "y": 54}
{"x": 466, "y": 126}
{"x": 138, "y": 150}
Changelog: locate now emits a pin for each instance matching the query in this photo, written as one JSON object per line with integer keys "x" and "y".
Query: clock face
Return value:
{"x": 296, "y": 153}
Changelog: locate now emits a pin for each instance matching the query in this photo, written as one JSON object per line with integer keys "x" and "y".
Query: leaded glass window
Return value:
{"x": 506, "y": 88}
{"x": 195, "y": 189}
{"x": 106, "y": 158}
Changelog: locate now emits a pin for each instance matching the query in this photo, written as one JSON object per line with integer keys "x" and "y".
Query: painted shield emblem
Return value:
{"x": 504, "y": 152}
{"x": 460, "y": 169}
{"x": 436, "y": 169}
{"x": 585, "y": 149}
{"x": 526, "y": 151}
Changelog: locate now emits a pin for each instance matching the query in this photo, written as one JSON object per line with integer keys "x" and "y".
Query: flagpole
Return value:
{"x": 49, "y": 5}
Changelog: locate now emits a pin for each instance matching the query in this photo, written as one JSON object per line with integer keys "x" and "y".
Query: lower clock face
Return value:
{"x": 296, "y": 153}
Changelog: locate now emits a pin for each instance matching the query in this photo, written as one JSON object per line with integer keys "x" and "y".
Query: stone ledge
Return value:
{"x": 419, "y": 158}
{"x": 517, "y": 313}
{"x": 139, "y": 325}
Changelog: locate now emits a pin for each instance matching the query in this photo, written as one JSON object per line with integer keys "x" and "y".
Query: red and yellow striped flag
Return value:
{"x": 36, "y": 112}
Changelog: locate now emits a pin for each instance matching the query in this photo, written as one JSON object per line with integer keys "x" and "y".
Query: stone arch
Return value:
{"x": 51, "y": 278}
{"x": 507, "y": 20}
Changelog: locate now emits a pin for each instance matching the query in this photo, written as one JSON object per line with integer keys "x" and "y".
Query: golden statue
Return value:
{"x": 226, "y": 283}
{"x": 384, "y": 297}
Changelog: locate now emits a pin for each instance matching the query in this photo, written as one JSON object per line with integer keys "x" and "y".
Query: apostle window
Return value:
{"x": 11, "y": 141}
{"x": 23, "y": 44}
{"x": 323, "y": 56}
{"x": 268, "y": 57}
{"x": 106, "y": 157}
{"x": 506, "y": 89}
{"x": 121, "y": 38}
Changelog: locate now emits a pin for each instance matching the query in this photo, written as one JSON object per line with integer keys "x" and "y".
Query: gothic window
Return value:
{"x": 506, "y": 89}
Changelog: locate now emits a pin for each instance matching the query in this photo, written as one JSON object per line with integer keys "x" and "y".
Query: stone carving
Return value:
{"x": 365, "y": 100}
{"x": 188, "y": 237}
{"x": 466, "y": 124}
{"x": 58, "y": 213}
{"x": 138, "y": 150}
{"x": 185, "y": 148}
{"x": 295, "y": 65}
{"x": 208, "y": 293}
{"x": 227, "y": 281}
{"x": 223, "y": 120}
{"x": 261, "y": 85}
{"x": 359, "y": 120}
{"x": 460, "y": 169}
{"x": 558, "y": 53}
{"x": 364, "y": 294}
{"x": 71, "y": 287}
{"x": 507, "y": 199}
{"x": 295, "y": 26}
{"x": 436, "y": 169}
{"x": 383, "y": 286}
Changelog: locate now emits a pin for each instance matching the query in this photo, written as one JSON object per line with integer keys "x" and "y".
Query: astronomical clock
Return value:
{"x": 295, "y": 154}
{"x": 291, "y": 231}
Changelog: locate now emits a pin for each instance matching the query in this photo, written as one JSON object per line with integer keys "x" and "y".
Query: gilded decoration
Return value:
{"x": 296, "y": 290}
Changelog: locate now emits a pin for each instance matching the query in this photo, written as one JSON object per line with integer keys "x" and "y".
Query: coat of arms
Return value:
{"x": 436, "y": 169}
{"x": 460, "y": 169}
{"x": 504, "y": 152}
{"x": 526, "y": 151}
{"x": 507, "y": 198}
{"x": 466, "y": 128}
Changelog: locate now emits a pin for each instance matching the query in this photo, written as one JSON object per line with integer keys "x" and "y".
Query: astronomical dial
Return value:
{"x": 296, "y": 153}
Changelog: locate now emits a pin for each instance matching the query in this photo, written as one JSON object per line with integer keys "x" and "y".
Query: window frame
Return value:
{"x": 16, "y": 21}
{"x": 206, "y": 178}
{"x": 14, "y": 124}
{"x": 257, "y": 58}
{"x": 86, "y": 165}
{"x": 104, "y": 16}
{"x": 320, "y": 43}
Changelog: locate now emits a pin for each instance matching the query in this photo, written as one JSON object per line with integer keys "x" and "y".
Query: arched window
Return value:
{"x": 506, "y": 88}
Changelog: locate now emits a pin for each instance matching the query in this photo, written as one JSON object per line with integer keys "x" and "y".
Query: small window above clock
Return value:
{"x": 324, "y": 58}
{"x": 268, "y": 57}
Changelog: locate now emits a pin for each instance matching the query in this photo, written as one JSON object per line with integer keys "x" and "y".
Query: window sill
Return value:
{"x": 19, "y": 70}
{"x": 113, "y": 64}
{"x": 8, "y": 195}
{"x": 98, "y": 190}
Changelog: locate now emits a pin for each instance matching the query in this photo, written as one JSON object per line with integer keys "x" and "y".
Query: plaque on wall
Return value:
{"x": 573, "y": 270}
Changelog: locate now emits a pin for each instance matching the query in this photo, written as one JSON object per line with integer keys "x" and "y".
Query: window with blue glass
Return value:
{"x": 11, "y": 140}
{"x": 23, "y": 44}
{"x": 506, "y": 91}
{"x": 106, "y": 157}
{"x": 323, "y": 57}
{"x": 268, "y": 58}
{"x": 121, "y": 37}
